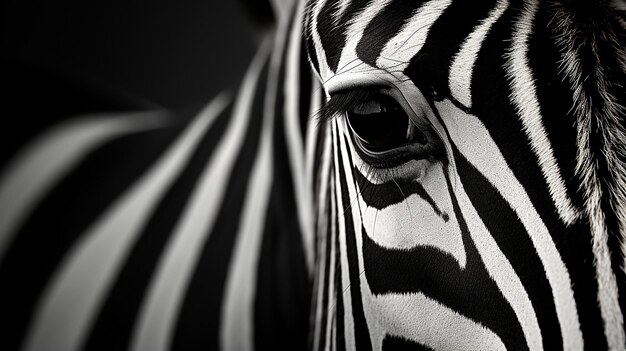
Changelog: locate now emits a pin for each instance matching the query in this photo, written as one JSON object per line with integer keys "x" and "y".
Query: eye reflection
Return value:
{"x": 380, "y": 124}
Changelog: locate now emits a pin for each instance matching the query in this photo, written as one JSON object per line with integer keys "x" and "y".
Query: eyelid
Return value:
{"x": 343, "y": 100}
{"x": 405, "y": 93}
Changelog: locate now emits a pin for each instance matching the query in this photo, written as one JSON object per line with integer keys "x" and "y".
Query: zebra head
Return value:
{"x": 472, "y": 188}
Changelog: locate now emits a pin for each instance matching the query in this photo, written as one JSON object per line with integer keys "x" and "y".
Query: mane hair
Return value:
{"x": 591, "y": 36}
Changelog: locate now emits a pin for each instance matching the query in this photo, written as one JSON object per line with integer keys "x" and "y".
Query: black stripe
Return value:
{"x": 394, "y": 343}
{"x": 319, "y": 153}
{"x": 333, "y": 332}
{"x": 497, "y": 215}
{"x": 361, "y": 330}
{"x": 317, "y": 180}
{"x": 63, "y": 216}
{"x": 305, "y": 83}
{"x": 339, "y": 312}
{"x": 393, "y": 192}
{"x": 595, "y": 42}
{"x": 283, "y": 291}
{"x": 332, "y": 30}
{"x": 331, "y": 35}
{"x": 556, "y": 99}
{"x": 321, "y": 247}
{"x": 574, "y": 245}
{"x": 492, "y": 105}
{"x": 199, "y": 317}
{"x": 469, "y": 291}
{"x": 113, "y": 327}
{"x": 325, "y": 291}
{"x": 384, "y": 27}
{"x": 35, "y": 99}
{"x": 310, "y": 46}
{"x": 514, "y": 241}
{"x": 308, "y": 35}
{"x": 430, "y": 68}
{"x": 283, "y": 288}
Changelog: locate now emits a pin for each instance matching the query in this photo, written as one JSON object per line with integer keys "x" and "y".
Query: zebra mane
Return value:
{"x": 591, "y": 37}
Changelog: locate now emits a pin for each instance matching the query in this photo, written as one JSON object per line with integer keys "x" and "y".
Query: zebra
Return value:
{"x": 144, "y": 229}
{"x": 475, "y": 166}
{"x": 390, "y": 174}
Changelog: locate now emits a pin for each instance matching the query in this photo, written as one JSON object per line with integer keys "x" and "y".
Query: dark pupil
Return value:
{"x": 381, "y": 131}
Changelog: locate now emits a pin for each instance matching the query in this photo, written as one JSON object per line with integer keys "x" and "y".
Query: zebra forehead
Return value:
{"x": 590, "y": 35}
{"x": 333, "y": 18}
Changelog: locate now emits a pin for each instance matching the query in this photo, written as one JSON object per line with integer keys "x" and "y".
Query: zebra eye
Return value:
{"x": 379, "y": 124}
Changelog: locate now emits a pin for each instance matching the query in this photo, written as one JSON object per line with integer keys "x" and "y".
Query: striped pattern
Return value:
{"x": 511, "y": 239}
{"x": 167, "y": 230}
{"x": 250, "y": 224}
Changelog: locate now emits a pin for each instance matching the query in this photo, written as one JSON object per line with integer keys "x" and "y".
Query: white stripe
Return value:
{"x": 319, "y": 283}
{"x": 237, "y": 314}
{"x": 330, "y": 307}
{"x": 344, "y": 291}
{"x": 320, "y": 54}
{"x": 312, "y": 133}
{"x": 501, "y": 271}
{"x": 325, "y": 214}
{"x": 345, "y": 274}
{"x": 342, "y": 7}
{"x": 399, "y": 51}
{"x": 474, "y": 142}
{"x": 293, "y": 136}
{"x": 158, "y": 314}
{"x": 349, "y": 60}
{"x": 525, "y": 99}
{"x": 372, "y": 314}
{"x": 607, "y": 284}
{"x": 281, "y": 8}
{"x": 434, "y": 325}
{"x": 585, "y": 168}
{"x": 407, "y": 315}
{"x": 337, "y": 223}
{"x": 36, "y": 170}
{"x": 376, "y": 330}
{"x": 67, "y": 308}
{"x": 395, "y": 225}
{"x": 462, "y": 68}
{"x": 237, "y": 332}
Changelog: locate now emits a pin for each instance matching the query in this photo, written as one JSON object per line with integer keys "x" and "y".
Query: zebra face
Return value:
{"x": 456, "y": 203}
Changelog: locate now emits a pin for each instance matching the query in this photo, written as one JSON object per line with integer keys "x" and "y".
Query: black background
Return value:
{"x": 172, "y": 53}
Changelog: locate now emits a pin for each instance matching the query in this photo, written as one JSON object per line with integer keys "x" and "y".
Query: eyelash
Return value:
{"x": 399, "y": 148}
{"x": 342, "y": 101}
